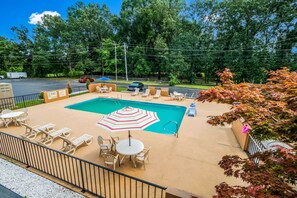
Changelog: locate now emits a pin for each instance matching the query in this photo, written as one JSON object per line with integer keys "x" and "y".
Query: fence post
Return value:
{"x": 82, "y": 177}
{"x": 24, "y": 101}
{"x": 25, "y": 154}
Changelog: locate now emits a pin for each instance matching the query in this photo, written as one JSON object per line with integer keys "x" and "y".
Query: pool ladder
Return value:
{"x": 117, "y": 102}
{"x": 176, "y": 127}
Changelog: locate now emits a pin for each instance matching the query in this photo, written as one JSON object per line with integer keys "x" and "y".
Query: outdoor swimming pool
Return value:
{"x": 166, "y": 113}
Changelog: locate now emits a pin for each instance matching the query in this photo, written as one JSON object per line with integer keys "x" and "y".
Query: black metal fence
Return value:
{"x": 17, "y": 102}
{"x": 254, "y": 146}
{"x": 79, "y": 89}
{"x": 24, "y": 101}
{"x": 90, "y": 177}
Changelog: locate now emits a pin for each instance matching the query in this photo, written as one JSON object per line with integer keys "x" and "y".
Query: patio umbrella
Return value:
{"x": 128, "y": 119}
{"x": 103, "y": 78}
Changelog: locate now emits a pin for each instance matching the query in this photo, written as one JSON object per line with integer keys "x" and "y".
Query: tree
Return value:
{"x": 271, "y": 110}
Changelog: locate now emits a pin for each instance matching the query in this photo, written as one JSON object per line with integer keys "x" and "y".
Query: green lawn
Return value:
{"x": 154, "y": 83}
{"x": 28, "y": 104}
{"x": 194, "y": 86}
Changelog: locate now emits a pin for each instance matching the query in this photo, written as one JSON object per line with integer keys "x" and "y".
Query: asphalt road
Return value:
{"x": 32, "y": 86}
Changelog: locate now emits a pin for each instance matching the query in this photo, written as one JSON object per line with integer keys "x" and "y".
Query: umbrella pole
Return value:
{"x": 129, "y": 139}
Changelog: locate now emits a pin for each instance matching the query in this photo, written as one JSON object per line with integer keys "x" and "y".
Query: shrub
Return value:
{"x": 3, "y": 73}
{"x": 69, "y": 87}
{"x": 173, "y": 80}
{"x": 41, "y": 95}
{"x": 74, "y": 73}
{"x": 87, "y": 83}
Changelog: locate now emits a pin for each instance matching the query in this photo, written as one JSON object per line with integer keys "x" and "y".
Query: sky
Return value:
{"x": 28, "y": 12}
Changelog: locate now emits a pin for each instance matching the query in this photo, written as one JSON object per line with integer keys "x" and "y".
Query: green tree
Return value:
{"x": 271, "y": 110}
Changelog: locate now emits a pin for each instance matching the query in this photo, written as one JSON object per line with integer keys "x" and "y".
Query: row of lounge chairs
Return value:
{"x": 146, "y": 93}
{"x": 49, "y": 134}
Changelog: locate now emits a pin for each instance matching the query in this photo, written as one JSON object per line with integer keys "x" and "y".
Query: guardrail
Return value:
{"x": 87, "y": 176}
{"x": 254, "y": 146}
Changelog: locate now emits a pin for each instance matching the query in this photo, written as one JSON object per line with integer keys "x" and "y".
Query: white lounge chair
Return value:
{"x": 70, "y": 145}
{"x": 157, "y": 94}
{"x": 48, "y": 138}
{"x": 136, "y": 92}
{"x": 192, "y": 111}
{"x": 172, "y": 96}
{"x": 32, "y": 132}
{"x": 146, "y": 93}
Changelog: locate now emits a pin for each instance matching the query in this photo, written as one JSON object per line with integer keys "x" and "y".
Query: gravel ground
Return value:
{"x": 28, "y": 184}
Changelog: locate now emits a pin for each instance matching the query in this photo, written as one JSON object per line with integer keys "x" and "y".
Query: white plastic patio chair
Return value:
{"x": 114, "y": 141}
{"x": 98, "y": 89}
{"x": 105, "y": 145}
{"x": 111, "y": 159}
{"x": 6, "y": 122}
{"x": 142, "y": 156}
{"x": 22, "y": 118}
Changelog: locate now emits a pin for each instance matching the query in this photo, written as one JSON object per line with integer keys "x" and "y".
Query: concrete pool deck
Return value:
{"x": 188, "y": 163}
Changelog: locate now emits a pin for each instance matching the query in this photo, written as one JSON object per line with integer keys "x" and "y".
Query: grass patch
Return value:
{"x": 28, "y": 103}
{"x": 129, "y": 82}
{"x": 195, "y": 86}
{"x": 81, "y": 93}
{"x": 119, "y": 89}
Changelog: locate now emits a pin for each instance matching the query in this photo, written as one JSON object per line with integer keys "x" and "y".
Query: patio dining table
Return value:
{"x": 11, "y": 117}
{"x": 123, "y": 148}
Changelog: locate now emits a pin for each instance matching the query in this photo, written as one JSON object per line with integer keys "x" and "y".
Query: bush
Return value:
{"x": 54, "y": 75}
{"x": 3, "y": 73}
{"x": 69, "y": 87}
{"x": 173, "y": 80}
{"x": 74, "y": 73}
{"x": 41, "y": 95}
{"x": 87, "y": 83}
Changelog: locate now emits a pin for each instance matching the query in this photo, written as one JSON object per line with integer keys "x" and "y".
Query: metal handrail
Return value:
{"x": 83, "y": 172}
{"x": 176, "y": 125}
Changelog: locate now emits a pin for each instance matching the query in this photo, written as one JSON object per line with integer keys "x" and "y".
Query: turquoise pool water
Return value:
{"x": 166, "y": 113}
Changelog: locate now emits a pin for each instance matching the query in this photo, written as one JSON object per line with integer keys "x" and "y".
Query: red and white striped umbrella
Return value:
{"x": 128, "y": 119}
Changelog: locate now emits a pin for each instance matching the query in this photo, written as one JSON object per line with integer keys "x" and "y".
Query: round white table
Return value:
{"x": 124, "y": 149}
{"x": 9, "y": 117}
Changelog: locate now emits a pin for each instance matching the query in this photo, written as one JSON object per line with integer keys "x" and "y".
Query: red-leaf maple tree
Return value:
{"x": 271, "y": 110}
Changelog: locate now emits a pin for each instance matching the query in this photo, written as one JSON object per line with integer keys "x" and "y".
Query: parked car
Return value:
{"x": 84, "y": 79}
{"x": 134, "y": 85}
{"x": 1, "y": 77}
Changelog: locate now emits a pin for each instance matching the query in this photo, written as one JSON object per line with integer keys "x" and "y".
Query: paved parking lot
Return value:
{"x": 31, "y": 86}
